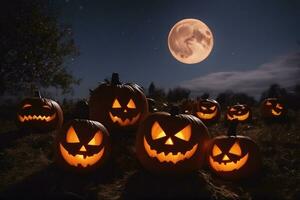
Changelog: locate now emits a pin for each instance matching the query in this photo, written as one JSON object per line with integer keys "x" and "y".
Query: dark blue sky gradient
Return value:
{"x": 130, "y": 37}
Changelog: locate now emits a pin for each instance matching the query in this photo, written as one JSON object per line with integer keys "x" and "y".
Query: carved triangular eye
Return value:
{"x": 185, "y": 134}
{"x": 232, "y": 109}
{"x": 116, "y": 104}
{"x": 203, "y": 108}
{"x": 278, "y": 106}
{"x": 46, "y": 106}
{"x": 216, "y": 150}
{"x": 268, "y": 103}
{"x": 27, "y": 105}
{"x": 212, "y": 108}
{"x": 157, "y": 132}
{"x": 236, "y": 149}
{"x": 131, "y": 104}
{"x": 97, "y": 139}
{"x": 72, "y": 136}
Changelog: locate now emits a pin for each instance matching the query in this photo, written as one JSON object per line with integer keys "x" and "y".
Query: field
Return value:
{"x": 28, "y": 170}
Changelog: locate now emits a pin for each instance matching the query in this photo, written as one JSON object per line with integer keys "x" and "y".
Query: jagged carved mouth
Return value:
{"x": 36, "y": 118}
{"x": 202, "y": 115}
{"x": 240, "y": 118}
{"x": 79, "y": 159}
{"x": 274, "y": 112}
{"x": 170, "y": 157}
{"x": 228, "y": 166}
{"x": 124, "y": 122}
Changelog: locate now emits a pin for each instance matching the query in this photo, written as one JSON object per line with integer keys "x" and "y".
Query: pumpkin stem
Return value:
{"x": 37, "y": 94}
{"x": 115, "y": 79}
{"x": 174, "y": 110}
{"x": 232, "y": 127}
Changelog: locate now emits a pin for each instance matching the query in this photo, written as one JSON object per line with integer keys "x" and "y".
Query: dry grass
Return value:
{"x": 27, "y": 170}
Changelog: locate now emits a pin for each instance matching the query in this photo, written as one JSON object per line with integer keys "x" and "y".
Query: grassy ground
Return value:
{"x": 27, "y": 169}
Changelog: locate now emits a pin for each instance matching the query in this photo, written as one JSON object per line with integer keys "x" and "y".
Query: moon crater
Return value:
{"x": 190, "y": 41}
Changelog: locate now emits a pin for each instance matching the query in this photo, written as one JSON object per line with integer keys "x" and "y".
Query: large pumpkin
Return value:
{"x": 39, "y": 114}
{"x": 233, "y": 157}
{"x": 171, "y": 143}
{"x": 273, "y": 108}
{"x": 118, "y": 106}
{"x": 208, "y": 110}
{"x": 240, "y": 112}
{"x": 82, "y": 145}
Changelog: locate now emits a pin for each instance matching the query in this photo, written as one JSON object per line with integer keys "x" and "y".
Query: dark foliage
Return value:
{"x": 34, "y": 47}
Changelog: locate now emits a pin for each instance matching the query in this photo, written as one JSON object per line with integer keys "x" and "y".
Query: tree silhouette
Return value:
{"x": 34, "y": 47}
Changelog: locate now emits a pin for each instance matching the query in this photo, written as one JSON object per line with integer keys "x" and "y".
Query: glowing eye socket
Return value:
{"x": 216, "y": 150}
{"x": 203, "y": 108}
{"x": 185, "y": 134}
{"x": 236, "y": 149}
{"x": 232, "y": 109}
{"x": 268, "y": 103}
{"x": 279, "y": 106}
{"x": 157, "y": 132}
{"x": 97, "y": 139}
{"x": 72, "y": 136}
{"x": 46, "y": 106}
{"x": 212, "y": 108}
{"x": 116, "y": 104}
{"x": 131, "y": 104}
{"x": 27, "y": 106}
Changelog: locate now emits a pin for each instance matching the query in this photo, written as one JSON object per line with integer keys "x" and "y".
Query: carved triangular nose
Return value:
{"x": 82, "y": 148}
{"x": 225, "y": 158}
{"x": 125, "y": 111}
{"x": 169, "y": 142}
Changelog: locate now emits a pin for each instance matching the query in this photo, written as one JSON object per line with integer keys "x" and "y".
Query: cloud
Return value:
{"x": 284, "y": 70}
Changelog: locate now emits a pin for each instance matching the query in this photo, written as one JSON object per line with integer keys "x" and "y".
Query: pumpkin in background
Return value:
{"x": 171, "y": 143}
{"x": 39, "y": 114}
{"x": 233, "y": 157}
{"x": 208, "y": 110}
{"x": 118, "y": 106}
{"x": 273, "y": 108}
{"x": 241, "y": 112}
{"x": 82, "y": 145}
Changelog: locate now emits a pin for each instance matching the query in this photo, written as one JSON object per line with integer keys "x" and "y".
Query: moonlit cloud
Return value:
{"x": 285, "y": 71}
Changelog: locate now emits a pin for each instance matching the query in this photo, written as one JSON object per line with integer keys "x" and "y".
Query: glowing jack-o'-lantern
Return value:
{"x": 82, "y": 145}
{"x": 240, "y": 112}
{"x": 171, "y": 143}
{"x": 233, "y": 157}
{"x": 208, "y": 110}
{"x": 118, "y": 106}
{"x": 273, "y": 108}
{"x": 39, "y": 114}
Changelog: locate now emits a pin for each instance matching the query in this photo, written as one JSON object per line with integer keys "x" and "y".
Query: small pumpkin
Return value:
{"x": 171, "y": 143}
{"x": 233, "y": 157}
{"x": 241, "y": 112}
{"x": 118, "y": 106}
{"x": 208, "y": 110}
{"x": 39, "y": 114}
{"x": 273, "y": 108}
{"x": 82, "y": 145}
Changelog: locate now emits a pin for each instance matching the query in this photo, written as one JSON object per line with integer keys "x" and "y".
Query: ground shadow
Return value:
{"x": 54, "y": 183}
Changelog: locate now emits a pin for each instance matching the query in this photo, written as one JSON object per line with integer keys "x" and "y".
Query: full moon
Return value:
{"x": 190, "y": 41}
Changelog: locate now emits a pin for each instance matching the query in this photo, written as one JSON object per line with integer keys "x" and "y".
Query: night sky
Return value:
{"x": 256, "y": 43}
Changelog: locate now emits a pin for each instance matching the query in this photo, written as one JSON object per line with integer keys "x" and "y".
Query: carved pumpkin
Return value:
{"x": 171, "y": 143}
{"x": 233, "y": 156}
{"x": 39, "y": 114}
{"x": 208, "y": 110}
{"x": 118, "y": 106}
{"x": 241, "y": 112}
{"x": 273, "y": 108}
{"x": 82, "y": 145}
